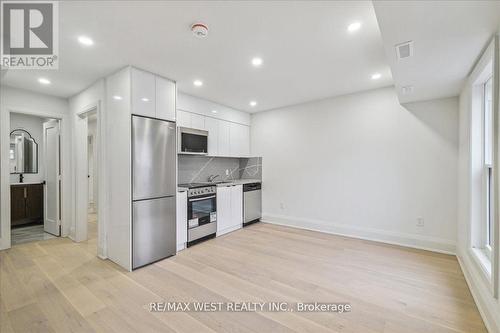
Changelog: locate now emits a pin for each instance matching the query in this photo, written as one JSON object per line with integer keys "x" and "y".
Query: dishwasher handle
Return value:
{"x": 252, "y": 187}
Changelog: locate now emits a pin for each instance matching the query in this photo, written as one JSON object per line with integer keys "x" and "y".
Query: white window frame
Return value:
{"x": 485, "y": 257}
{"x": 488, "y": 178}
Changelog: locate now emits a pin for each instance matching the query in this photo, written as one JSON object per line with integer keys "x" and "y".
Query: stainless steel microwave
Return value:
{"x": 192, "y": 141}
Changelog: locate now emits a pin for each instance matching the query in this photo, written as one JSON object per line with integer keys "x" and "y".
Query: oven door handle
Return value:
{"x": 204, "y": 198}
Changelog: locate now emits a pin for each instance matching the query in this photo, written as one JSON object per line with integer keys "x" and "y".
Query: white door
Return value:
{"x": 51, "y": 198}
{"x": 90, "y": 168}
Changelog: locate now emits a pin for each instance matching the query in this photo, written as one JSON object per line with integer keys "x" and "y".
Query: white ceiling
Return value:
{"x": 308, "y": 53}
{"x": 448, "y": 37}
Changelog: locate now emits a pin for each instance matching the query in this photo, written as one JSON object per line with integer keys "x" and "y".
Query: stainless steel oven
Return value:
{"x": 202, "y": 212}
{"x": 192, "y": 141}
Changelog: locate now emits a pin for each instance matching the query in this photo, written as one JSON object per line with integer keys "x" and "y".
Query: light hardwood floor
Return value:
{"x": 60, "y": 286}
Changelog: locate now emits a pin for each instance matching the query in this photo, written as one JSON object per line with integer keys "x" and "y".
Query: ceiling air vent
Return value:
{"x": 404, "y": 50}
{"x": 406, "y": 90}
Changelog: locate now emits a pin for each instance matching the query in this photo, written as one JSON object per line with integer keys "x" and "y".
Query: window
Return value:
{"x": 487, "y": 108}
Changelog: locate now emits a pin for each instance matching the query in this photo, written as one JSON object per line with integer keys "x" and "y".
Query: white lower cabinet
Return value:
{"x": 229, "y": 208}
{"x": 181, "y": 220}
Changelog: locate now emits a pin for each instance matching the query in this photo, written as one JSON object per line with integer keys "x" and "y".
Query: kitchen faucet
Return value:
{"x": 211, "y": 178}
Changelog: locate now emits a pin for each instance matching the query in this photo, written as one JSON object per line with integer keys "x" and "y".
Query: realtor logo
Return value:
{"x": 29, "y": 35}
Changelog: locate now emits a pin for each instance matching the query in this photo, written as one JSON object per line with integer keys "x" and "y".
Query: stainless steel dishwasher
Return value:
{"x": 252, "y": 203}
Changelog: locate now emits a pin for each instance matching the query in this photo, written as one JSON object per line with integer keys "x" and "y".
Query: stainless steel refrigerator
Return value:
{"x": 154, "y": 188}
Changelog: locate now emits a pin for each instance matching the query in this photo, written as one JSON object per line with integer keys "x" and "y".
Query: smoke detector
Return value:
{"x": 200, "y": 30}
{"x": 404, "y": 50}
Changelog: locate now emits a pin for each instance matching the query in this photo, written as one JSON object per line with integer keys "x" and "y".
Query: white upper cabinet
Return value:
{"x": 228, "y": 129}
{"x": 223, "y": 138}
{"x": 165, "y": 99}
{"x": 197, "y": 121}
{"x": 239, "y": 140}
{"x": 152, "y": 95}
{"x": 212, "y": 126}
{"x": 183, "y": 118}
{"x": 143, "y": 93}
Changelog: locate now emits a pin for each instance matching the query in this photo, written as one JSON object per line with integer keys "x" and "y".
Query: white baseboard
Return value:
{"x": 488, "y": 307}
{"x": 395, "y": 238}
{"x": 228, "y": 230}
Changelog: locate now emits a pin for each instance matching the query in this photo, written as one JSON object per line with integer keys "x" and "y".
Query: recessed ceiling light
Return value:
{"x": 43, "y": 80}
{"x": 214, "y": 111}
{"x": 376, "y": 76}
{"x": 84, "y": 40}
{"x": 354, "y": 26}
{"x": 257, "y": 61}
{"x": 253, "y": 103}
{"x": 144, "y": 99}
{"x": 198, "y": 83}
{"x": 118, "y": 98}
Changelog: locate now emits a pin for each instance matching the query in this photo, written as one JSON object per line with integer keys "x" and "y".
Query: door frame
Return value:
{"x": 5, "y": 220}
{"x": 81, "y": 182}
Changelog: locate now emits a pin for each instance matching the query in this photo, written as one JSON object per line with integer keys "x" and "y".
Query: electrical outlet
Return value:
{"x": 420, "y": 222}
{"x": 227, "y": 172}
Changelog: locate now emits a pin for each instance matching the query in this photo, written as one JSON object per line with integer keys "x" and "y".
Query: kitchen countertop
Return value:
{"x": 240, "y": 182}
{"x": 28, "y": 183}
{"x": 228, "y": 183}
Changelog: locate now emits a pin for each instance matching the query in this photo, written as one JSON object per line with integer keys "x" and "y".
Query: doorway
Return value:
{"x": 35, "y": 178}
{"x": 89, "y": 215}
{"x": 93, "y": 177}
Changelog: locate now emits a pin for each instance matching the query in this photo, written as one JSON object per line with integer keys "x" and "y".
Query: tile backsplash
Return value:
{"x": 199, "y": 168}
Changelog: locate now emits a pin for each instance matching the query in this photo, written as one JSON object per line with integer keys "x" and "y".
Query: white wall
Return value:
{"x": 24, "y": 101}
{"x": 34, "y": 125}
{"x": 362, "y": 165}
{"x": 480, "y": 286}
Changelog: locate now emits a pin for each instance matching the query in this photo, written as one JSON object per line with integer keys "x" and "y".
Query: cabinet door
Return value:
{"x": 34, "y": 202}
{"x": 223, "y": 138}
{"x": 143, "y": 93}
{"x": 236, "y": 206}
{"x": 239, "y": 140}
{"x": 183, "y": 118}
{"x": 17, "y": 204}
{"x": 223, "y": 209}
{"x": 197, "y": 121}
{"x": 212, "y": 126}
{"x": 181, "y": 220}
{"x": 165, "y": 99}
